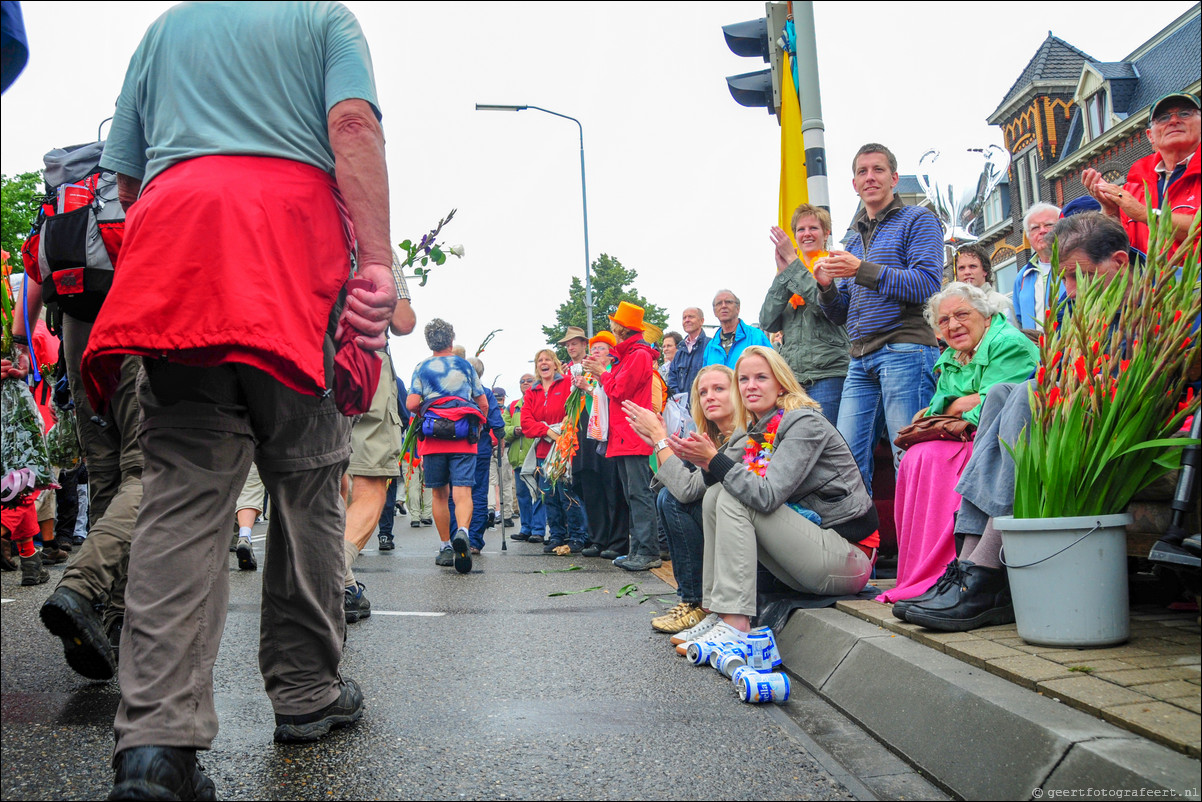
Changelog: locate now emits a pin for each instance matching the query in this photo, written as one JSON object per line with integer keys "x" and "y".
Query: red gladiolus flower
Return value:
{"x": 1056, "y": 359}
{"x": 1095, "y": 348}
{"x": 1177, "y": 316}
{"x": 1185, "y": 344}
{"x": 1053, "y": 396}
{"x": 1123, "y": 364}
{"x": 1042, "y": 343}
{"x": 1156, "y": 330}
{"x": 1079, "y": 367}
{"x": 1040, "y": 375}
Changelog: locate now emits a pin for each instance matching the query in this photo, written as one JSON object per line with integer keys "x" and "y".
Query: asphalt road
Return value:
{"x": 476, "y": 686}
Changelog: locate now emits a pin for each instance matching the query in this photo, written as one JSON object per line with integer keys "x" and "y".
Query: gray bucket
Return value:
{"x": 1068, "y": 578}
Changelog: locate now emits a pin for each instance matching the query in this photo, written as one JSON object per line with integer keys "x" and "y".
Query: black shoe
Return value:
{"x": 416, "y": 524}
{"x": 981, "y": 598}
{"x": 355, "y": 604}
{"x": 427, "y": 522}
{"x": 576, "y": 548}
{"x": 344, "y": 710}
{"x": 246, "y": 555}
{"x": 113, "y": 631}
{"x": 386, "y": 543}
{"x": 77, "y": 540}
{"x": 520, "y": 537}
{"x": 951, "y": 575}
{"x": 462, "y": 550}
{"x": 70, "y": 616}
{"x": 665, "y": 556}
{"x": 234, "y": 543}
{"x": 33, "y": 570}
{"x": 535, "y": 539}
{"x": 551, "y": 545}
{"x": 160, "y": 772}
{"x": 492, "y": 519}
{"x": 508, "y": 522}
{"x": 400, "y": 508}
{"x": 445, "y": 558}
{"x": 610, "y": 554}
{"x": 590, "y": 551}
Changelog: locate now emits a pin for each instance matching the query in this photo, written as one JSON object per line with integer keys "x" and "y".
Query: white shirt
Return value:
{"x": 1042, "y": 270}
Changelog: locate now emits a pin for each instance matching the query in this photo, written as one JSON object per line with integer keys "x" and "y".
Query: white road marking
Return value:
{"x": 396, "y": 612}
{"x": 6, "y": 601}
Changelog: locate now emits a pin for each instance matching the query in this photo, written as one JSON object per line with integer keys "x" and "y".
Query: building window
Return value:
{"x": 1095, "y": 114}
{"x": 1027, "y": 167}
{"x": 1003, "y": 276}
{"x": 992, "y": 213}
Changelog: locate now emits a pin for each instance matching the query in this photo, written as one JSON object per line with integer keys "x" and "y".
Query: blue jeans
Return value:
{"x": 532, "y": 511}
{"x": 475, "y": 529}
{"x": 686, "y": 542}
{"x": 565, "y": 513}
{"x": 898, "y": 379}
{"x": 389, "y": 511}
{"x": 829, "y": 393}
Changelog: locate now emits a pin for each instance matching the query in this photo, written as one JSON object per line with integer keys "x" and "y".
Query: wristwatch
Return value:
{"x": 661, "y": 445}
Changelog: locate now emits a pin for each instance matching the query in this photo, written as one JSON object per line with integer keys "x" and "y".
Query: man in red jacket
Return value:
{"x": 631, "y": 380}
{"x": 1172, "y": 173}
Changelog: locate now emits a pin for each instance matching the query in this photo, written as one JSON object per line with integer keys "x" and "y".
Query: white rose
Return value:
{"x": 457, "y": 251}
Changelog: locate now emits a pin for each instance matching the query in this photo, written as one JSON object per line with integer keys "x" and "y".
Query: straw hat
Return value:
{"x": 573, "y": 333}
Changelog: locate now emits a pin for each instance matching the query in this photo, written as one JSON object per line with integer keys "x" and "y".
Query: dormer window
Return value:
{"x": 1096, "y": 114}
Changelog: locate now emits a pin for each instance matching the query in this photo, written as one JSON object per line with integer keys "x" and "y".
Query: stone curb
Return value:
{"x": 976, "y": 734}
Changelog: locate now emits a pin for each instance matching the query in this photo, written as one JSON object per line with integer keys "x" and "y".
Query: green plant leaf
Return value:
{"x": 561, "y": 570}
{"x": 626, "y": 590}
{"x": 573, "y": 592}
{"x": 407, "y": 245}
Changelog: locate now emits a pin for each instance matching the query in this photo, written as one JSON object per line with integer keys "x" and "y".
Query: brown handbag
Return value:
{"x": 935, "y": 427}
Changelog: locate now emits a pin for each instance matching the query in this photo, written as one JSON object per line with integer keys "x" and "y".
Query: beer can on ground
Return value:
{"x": 698, "y": 652}
{"x": 764, "y": 654}
{"x": 730, "y": 662}
{"x": 740, "y": 672}
{"x": 728, "y": 647}
{"x": 763, "y": 687}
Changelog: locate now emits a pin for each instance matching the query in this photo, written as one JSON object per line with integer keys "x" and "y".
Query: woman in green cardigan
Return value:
{"x": 983, "y": 350}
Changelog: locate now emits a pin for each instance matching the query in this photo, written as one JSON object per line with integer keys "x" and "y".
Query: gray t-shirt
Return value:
{"x": 238, "y": 78}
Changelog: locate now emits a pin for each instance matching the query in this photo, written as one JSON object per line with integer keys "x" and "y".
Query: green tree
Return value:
{"x": 21, "y": 196}
{"x": 612, "y": 284}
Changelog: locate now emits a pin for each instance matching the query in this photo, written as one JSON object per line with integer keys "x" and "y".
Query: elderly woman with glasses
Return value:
{"x": 983, "y": 350}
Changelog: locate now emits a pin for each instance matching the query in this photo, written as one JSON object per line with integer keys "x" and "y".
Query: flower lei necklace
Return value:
{"x": 756, "y": 456}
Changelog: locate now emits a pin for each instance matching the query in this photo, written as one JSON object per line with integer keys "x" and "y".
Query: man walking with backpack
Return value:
{"x": 450, "y": 409}
{"x": 215, "y": 238}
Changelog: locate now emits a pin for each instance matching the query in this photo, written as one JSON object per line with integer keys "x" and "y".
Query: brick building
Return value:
{"x": 1068, "y": 111}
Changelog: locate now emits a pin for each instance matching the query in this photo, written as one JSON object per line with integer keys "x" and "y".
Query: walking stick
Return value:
{"x": 501, "y": 494}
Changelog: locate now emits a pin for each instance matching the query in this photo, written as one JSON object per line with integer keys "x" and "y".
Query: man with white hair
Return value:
{"x": 1031, "y": 285}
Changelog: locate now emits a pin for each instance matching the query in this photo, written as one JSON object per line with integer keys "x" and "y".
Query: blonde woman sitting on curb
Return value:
{"x": 784, "y": 492}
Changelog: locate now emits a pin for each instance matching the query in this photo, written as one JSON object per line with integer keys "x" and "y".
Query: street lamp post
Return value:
{"x": 588, "y": 277}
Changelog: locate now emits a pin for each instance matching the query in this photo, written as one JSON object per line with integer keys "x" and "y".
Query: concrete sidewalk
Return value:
{"x": 988, "y": 719}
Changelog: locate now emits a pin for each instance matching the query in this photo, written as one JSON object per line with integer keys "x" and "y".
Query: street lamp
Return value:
{"x": 588, "y": 279}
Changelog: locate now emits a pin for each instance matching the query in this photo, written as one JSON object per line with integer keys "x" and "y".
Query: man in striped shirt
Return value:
{"x": 877, "y": 288}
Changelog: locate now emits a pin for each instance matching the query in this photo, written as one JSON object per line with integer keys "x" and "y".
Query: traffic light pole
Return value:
{"x": 812, "y": 128}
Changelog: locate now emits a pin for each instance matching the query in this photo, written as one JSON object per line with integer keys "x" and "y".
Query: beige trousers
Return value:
{"x": 801, "y": 554}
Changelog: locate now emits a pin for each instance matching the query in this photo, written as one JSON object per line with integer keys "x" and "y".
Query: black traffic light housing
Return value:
{"x": 758, "y": 37}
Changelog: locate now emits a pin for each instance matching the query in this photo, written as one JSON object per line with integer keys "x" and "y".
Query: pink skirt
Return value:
{"x": 925, "y": 503}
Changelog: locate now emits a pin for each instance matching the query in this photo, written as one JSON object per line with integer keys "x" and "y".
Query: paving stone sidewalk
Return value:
{"x": 1150, "y": 685}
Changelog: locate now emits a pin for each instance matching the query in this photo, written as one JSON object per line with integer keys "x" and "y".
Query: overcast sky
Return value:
{"x": 682, "y": 181}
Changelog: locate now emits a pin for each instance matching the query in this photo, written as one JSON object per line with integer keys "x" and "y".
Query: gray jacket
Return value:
{"x": 810, "y": 466}
{"x": 814, "y": 347}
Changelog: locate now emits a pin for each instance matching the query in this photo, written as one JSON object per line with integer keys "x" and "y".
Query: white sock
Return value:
{"x": 244, "y": 532}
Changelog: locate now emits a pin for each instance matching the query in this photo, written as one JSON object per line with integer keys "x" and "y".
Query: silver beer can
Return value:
{"x": 763, "y": 687}
{"x": 730, "y": 662}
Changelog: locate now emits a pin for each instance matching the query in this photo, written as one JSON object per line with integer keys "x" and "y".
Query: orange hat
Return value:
{"x": 606, "y": 337}
{"x": 628, "y": 316}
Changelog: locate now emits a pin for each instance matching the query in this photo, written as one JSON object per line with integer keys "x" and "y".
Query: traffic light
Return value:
{"x": 760, "y": 37}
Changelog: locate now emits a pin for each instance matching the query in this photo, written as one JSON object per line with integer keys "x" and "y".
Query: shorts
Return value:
{"x": 21, "y": 520}
{"x": 47, "y": 505}
{"x": 377, "y": 435}
{"x": 251, "y": 497}
{"x": 459, "y": 470}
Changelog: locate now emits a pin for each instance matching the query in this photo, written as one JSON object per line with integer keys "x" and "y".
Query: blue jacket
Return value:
{"x": 744, "y": 336}
{"x": 1024, "y": 294}
{"x": 495, "y": 421}
{"x": 902, "y": 267}
{"x": 685, "y": 365}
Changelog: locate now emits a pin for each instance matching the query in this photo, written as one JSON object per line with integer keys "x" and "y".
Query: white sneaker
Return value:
{"x": 718, "y": 633}
{"x": 697, "y": 631}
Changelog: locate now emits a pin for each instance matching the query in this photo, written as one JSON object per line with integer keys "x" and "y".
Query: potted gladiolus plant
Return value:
{"x": 1108, "y": 405}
